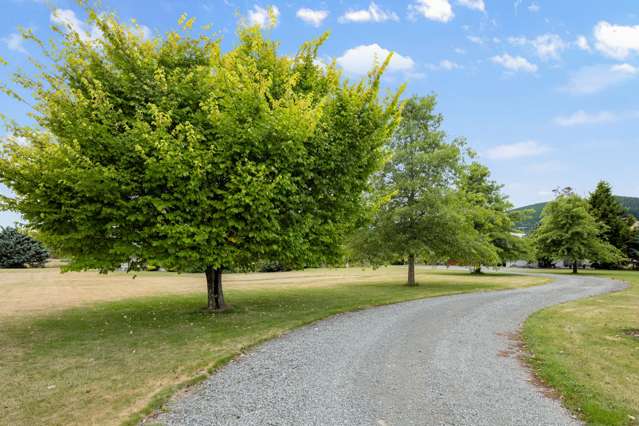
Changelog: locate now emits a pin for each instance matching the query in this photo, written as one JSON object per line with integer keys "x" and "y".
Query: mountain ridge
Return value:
{"x": 631, "y": 204}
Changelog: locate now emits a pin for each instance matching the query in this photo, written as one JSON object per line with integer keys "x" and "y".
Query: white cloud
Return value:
{"x": 360, "y": 60}
{"x": 475, "y": 39}
{"x": 616, "y": 41}
{"x": 517, "y": 41}
{"x": 15, "y": 42}
{"x": 514, "y": 63}
{"x": 313, "y": 17}
{"x": 534, "y": 7}
{"x": 143, "y": 31}
{"x": 581, "y": 117}
{"x": 516, "y": 150}
{"x": 373, "y": 14}
{"x": 435, "y": 10}
{"x": 596, "y": 78}
{"x": 70, "y": 22}
{"x": 260, "y": 16}
{"x": 460, "y": 51}
{"x": 582, "y": 43}
{"x": 444, "y": 64}
{"x": 67, "y": 19}
{"x": 547, "y": 46}
{"x": 624, "y": 69}
{"x": 474, "y": 4}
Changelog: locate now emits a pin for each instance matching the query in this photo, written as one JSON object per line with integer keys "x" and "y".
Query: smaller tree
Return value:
{"x": 18, "y": 250}
{"x": 569, "y": 232}
{"x": 492, "y": 217}
{"x": 417, "y": 210}
{"x": 614, "y": 219}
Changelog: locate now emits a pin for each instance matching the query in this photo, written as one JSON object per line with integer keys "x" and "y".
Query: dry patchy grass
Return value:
{"x": 81, "y": 348}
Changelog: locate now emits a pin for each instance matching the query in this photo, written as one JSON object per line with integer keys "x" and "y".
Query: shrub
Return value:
{"x": 18, "y": 250}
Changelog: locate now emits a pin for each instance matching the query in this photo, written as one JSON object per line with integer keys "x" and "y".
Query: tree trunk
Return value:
{"x": 574, "y": 267}
{"x": 215, "y": 294}
{"x": 477, "y": 269}
{"x": 411, "y": 270}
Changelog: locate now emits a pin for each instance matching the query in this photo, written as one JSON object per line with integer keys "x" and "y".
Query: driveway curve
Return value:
{"x": 439, "y": 361}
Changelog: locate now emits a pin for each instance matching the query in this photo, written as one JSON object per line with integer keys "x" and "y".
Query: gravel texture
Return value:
{"x": 440, "y": 361}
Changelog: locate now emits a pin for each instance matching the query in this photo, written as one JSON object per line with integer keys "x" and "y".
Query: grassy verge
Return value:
{"x": 110, "y": 362}
{"x": 586, "y": 350}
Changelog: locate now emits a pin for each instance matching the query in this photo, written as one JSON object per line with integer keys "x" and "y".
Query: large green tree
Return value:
{"x": 569, "y": 232}
{"x": 615, "y": 220}
{"x": 417, "y": 211}
{"x": 492, "y": 217}
{"x": 172, "y": 151}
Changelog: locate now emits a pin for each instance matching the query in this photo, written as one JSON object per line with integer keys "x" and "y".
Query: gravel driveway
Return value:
{"x": 439, "y": 361}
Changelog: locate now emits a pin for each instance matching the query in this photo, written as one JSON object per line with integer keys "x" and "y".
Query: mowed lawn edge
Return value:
{"x": 117, "y": 362}
{"x": 586, "y": 351}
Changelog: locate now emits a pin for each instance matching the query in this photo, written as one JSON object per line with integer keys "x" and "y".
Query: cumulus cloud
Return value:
{"x": 373, "y": 14}
{"x": 15, "y": 42}
{"x": 616, "y": 41}
{"x": 260, "y": 16}
{"x": 311, "y": 16}
{"x": 361, "y": 59}
{"x": 582, "y": 43}
{"x": 475, "y": 39}
{"x": 516, "y": 150}
{"x": 596, "y": 78}
{"x": 514, "y": 63}
{"x": 67, "y": 19}
{"x": 474, "y": 4}
{"x": 547, "y": 46}
{"x": 435, "y": 10}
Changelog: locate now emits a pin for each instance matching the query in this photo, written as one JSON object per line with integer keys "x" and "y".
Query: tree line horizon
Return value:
{"x": 170, "y": 152}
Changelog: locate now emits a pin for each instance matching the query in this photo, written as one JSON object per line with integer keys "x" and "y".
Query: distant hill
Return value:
{"x": 630, "y": 203}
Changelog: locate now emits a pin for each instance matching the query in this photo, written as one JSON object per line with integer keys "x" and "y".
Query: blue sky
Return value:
{"x": 544, "y": 91}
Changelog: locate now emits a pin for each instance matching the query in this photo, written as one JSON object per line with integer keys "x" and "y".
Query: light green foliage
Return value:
{"x": 492, "y": 217}
{"x": 569, "y": 232}
{"x": 171, "y": 151}
{"x": 417, "y": 210}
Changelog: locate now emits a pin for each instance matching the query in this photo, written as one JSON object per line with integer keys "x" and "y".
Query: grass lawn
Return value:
{"x": 80, "y": 348}
{"x": 586, "y": 350}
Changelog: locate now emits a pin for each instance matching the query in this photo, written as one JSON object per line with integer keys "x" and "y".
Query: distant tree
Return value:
{"x": 492, "y": 217}
{"x": 18, "y": 250}
{"x": 417, "y": 211}
{"x": 615, "y": 220}
{"x": 569, "y": 232}
{"x": 172, "y": 152}
{"x": 633, "y": 246}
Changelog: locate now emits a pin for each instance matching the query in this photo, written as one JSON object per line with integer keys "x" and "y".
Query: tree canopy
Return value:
{"x": 569, "y": 232}
{"x": 172, "y": 151}
{"x": 492, "y": 217}
{"x": 417, "y": 210}
{"x": 615, "y": 220}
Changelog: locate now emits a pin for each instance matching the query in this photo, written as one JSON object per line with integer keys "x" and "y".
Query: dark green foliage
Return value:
{"x": 615, "y": 220}
{"x": 18, "y": 250}
{"x": 492, "y": 217}
{"x": 418, "y": 213}
{"x": 530, "y": 223}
